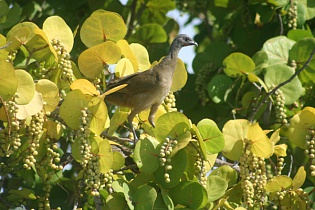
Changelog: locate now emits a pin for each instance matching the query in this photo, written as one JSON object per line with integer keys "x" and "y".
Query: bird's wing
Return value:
{"x": 135, "y": 83}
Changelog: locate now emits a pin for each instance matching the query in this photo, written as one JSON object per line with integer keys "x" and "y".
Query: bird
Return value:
{"x": 147, "y": 89}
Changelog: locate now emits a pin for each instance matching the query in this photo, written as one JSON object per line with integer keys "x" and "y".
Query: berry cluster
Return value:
{"x": 11, "y": 56}
{"x": 286, "y": 199}
{"x": 280, "y": 165}
{"x": 64, "y": 62}
{"x": 83, "y": 135}
{"x": 310, "y": 149}
{"x": 165, "y": 160}
{"x": 292, "y": 15}
{"x": 280, "y": 112}
{"x": 93, "y": 176}
{"x": 9, "y": 137}
{"x": 309, "y": 92}
{"x": 170, "y": 102}
{"x": 35, "y": 131}
{"x": 253, "y": 177}
{"x": 200, "y": 168}
{"x": 201, "y": 83}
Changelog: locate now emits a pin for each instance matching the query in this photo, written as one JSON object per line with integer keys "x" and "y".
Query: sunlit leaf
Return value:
{"x": 299, "y": 178}
{"x": 85, "y": 86}
{"x": 19, "y": 35}
{"x": 234, "y": 132}
{"x": 26, "y": 87}
{"x": 50, "y": 94}
{"x": 275, "y": 137}
{"x": 118, "y": 160}
{"x": 8, "y": 80}
{"x": 182, "y": 141}
{"x": 237, "y": 64}
{"x": 106, "y": 156}
{"x": 141, "y": 55}
{"x": 99, "y": 113}
{"x": 278, "y": 183}
{"x": 102, "y": 26}
{"x": 261, "y": 145}
{"x": 128, "y": 53}
{"x": 280, "y": 150}
{"x": 117, "y": 119}
{"x": 227, "y": 173}
{"x": 56, "y": 28}
{"x": 54, "y": 130}
{"x": 30, "y": 109}
{"x": 124, "y": 68}
{"x": 3, "y": 52}
{"x": 216, "y": 187}
{"x": 180, "y": 76}
{"x": 91, "y": 61}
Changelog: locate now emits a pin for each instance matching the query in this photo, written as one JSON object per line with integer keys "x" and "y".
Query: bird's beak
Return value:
{"x": 193, "y": 43}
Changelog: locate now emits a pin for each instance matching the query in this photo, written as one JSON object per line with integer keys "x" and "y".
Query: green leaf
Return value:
{"x": 8, "y": 80}
{"x": 24, "y": 193}
{"x": 182, "y": 141}
{"x": 99, "y": 114}
{"x": 56, "y": 28}
{"x": 155, "y": 11}
{"x": 50, "y": 94}
{"x": 277, "y": 49}
{"x": 115, "y": 201}
{"x": 178, "y": 162}
{"x": 216, "y": 187}
{"x": 300, "y": 125}
{"x": 278, "y": 183}
{"x": 117, "y": 119}
{"x": 26, "y": 88}
{"x": 102, "y": 26}
{"x": 260, "y": 59}
{"x": 118, "y": 160}
{"x": 149, "y": 33}
{"x": 146, "y": 155}
{"x": 277, "y": 74}
{"x": 237, "y": 64}
{"x": 300, "y": 53}
{"x": 227, "y": 173}
{"x": 190, "y": 194}
{"x": 211, "y": 136}
{"x": 218, "y": 87}
{"x": 3, "y": 52}
{"x": 299, "y": 34}
{"x": 171, "y": 125}
{"x": 13, "y": 16}
{"x": 106, "y": 155}
{"x": 91, "y": 61}
{"x": 144, "y": 197}
{"x": 70, "y": 109}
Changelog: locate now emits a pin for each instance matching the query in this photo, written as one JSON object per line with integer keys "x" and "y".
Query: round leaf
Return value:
{"x": 146, "y": 156}
{"x": 118, "y": 160}
{"x": 70, "y": 109}
{"x": 141, "y": 55}
{"x": 299, "y": 126}
{"x": 238, "y": 64}
{"x": 261, "y": 145}
{"x": 99, "y": 113}
{"x": 218, "y": 88}
{"x": 278, "y": 183}
{"x": 124, "y": 68}
{"x": 227, "y": 173}
{"x": 128, "y": 53}
{"x": 3, "y": 52}
{"x": 91, "y": 61}
{"x": 300, "y": 53}
{"x": 171, "y": 125}
{"x": 26, "y": 88}
{"x": 234, "y": 132}
{"x": 85, "y": 86}
{"x": 180, "y": 76}
{"x": 277, "y": 49}
{"x": 144, "y": 197}
{"x": 277, "y": 74}
{"x": 30, "y": 109}
{"x": 149, "y": 33}
{"x": 56, "y": 28}
{"x": 216, "y": 187}
{"x": 299, "y": 178}
{"x": 106, "y": 155}
{"x": 50, "y": 94}
{"x": 190, "y": 194}
{"x": 211, "y": 136}
{"x": 102, "y": 26}
{"x": 8, "y": 80}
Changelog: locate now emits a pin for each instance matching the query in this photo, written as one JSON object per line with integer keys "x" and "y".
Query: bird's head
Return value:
{"x": 183, "y": 40}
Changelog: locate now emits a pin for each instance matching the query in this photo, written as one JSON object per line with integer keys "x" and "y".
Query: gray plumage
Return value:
{"x": 147, "y": 89}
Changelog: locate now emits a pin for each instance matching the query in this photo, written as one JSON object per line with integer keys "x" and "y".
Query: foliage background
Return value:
{"x": 253, "y": 73}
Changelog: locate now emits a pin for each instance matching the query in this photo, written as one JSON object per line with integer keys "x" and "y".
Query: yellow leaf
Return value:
{"x": 85, "y": 86}
{"x": 275, "y": 137}
{"x": 8, "y": 80}
{"x": 142, "y": 56}
{"x": 106, "y": 156}
{"x": 299, "y": 178}
{"x": 56, "y": 28}
{"x": 180, "y": 76}
{"x": 280, "y": 150}
{"x": 262, "y": 146}
{"x": 278, "y": 183}
{"x": 115, "y": 89}
{"x": 124, "y": 68}
{"x": 128, "y": 53}
{"x": 26, "y": 88}
{"x": 30, "y": 109}
{"x": 50, "y": 94}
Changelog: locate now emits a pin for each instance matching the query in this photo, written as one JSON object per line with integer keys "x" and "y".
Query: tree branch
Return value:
{"x": 264, "y": 100}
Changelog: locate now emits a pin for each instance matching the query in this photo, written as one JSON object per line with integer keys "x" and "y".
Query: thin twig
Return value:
{"x": 117, "y": 139}
{"x": 264, "y": 100}
{"x": 219, "y": 162}
{"x": 5, "y": 46}
{"x": 98, "y": 202}
{"x": 280, "y": 21}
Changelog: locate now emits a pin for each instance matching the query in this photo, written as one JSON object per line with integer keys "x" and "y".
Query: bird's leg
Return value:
{"x": 153, "y": 110}
{"x": 130, "y": 119}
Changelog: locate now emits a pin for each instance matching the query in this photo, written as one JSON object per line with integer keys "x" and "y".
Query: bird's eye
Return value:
{"x": 187, "y": 39}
